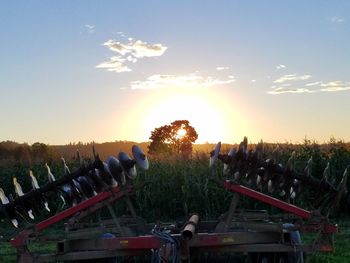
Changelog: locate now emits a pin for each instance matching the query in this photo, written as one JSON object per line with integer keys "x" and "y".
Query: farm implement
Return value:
{"x": 238, "y": 235}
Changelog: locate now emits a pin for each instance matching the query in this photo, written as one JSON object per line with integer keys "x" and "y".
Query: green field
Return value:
{"x": 176, "y": 187}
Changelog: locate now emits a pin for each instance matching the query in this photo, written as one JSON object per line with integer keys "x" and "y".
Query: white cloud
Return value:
{"x": 115, "y": 64}
{"x": 317, "y": 83}
{"x": 281, "y": 90}
{"x": 90, "y": 28}
{"x": 222, "y": 68}
{"x": 291, "y": 77}
{"x": 253, "y": 81}
{"x": 335, "y": 86}
{"x": 336, "y": 19}
{"x": 142, "y": 49}
{"x": 118, "y": 47}
{"x": 129, "y": 52}
{"x": 280, "y": 66}
{"x": 313, "y": 87}
{"x": 192, "y": 80}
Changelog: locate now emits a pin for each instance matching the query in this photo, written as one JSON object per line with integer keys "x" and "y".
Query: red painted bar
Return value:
{"x": 139, "y": 242}
{"x": 79, "y": 207}
{"x": 267, "y": 199}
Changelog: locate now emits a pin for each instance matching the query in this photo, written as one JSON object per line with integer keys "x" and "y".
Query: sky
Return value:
{"x": 114, "y": 70}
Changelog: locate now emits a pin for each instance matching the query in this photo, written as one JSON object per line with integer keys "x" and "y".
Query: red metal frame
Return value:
{"x": 267, "y": 199}
{"x": 22, "y": 236}
{"x": 201, "y": 240}
{"x": 75, "y": 209}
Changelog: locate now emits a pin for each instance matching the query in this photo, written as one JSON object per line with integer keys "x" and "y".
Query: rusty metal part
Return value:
{"x": 190, "y": 227}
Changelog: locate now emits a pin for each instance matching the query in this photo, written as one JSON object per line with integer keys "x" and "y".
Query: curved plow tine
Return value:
{"x": 97, "y": 160}
{"x": 270, "y": 186}
{"x": 65, "y": 167}
{"x": 243, "y": 146}
{"x": 50, "y": 176}
{"x": 25, "y": 205}
{"x": 259, "y": 150}
{"x": 342, "y": 185}
{"x": 9, "y": 211}
{"x": 214, "y": 154}
{"x": 291, "y": 162}
{"x": 227, "y": 163}
{"x": 39, "y": 197}
{"x": 275, "y": 153}
{"x": 341, "y": 192}
{"x": 308, "y": 168}
{"x": 80, "y": 160}
{"x": 326, "y": 174}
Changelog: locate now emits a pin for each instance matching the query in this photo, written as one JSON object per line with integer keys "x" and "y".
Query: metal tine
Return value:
{"x": 240, "y": 166}
{"x": 243, "y": 148}
{"x": 73, "y": 184}
{"x": 259, "y": 177}
{"x": 51, "y": 179}
{"x": 288, "y": 180}
{"x": 291, "y": 162}
{"x": 275, "y": 153}
{"x": 252, "y": 172}
{"x": 308, "y": 168}
{"x": 19, "y": 193}
{"x": 228, "y": 167}
{"x": 80, "y": 160}
{"x": 10, "y": 210}
{"x": 50, "y": 176}
{"x": 259, "y": 150}
{"x": 292, "y": 193}
{"x": 40, "y": 197}
{"x": 270, "y": 186}
{"x": 341, "y": 191}
{"x": 86, "y": 184}
{"x": 326, "y": 174}
{"x": 327, "y": 178}
{"x": 269, "y": 177}
{"x": 65, "y": 167}
{"x": 342, "y": 184}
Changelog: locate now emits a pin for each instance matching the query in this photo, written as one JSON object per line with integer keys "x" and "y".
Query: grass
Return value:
{"x": 341, "y": 254}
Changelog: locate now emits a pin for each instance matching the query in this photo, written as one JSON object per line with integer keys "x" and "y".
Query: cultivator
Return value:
{"x": 249, "y": 235}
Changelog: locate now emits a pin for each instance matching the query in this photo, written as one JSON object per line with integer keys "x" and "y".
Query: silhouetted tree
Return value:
{"x": 177, "y": 138}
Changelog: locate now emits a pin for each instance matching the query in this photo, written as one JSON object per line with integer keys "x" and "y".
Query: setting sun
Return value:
{"x": 181, "y": 133}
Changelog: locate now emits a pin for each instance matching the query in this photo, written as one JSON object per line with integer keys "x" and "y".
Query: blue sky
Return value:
{"x": 115, "y": 70}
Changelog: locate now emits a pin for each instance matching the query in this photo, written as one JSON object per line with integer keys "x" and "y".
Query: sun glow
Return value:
{"x": 181, "y": 133}
{"x": 214, "y": 114}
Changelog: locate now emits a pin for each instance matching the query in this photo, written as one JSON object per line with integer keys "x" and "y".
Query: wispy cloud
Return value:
{"x": 336, "y": 19}
{"x": 90, "y": 28}
{"x": 115, "y": 64}
{"x": 192, "y": 80}
{"x": 281, "y": 90}
{"x": 291, "y": 77}
{"x": 312, "y": 87}
{"x": 280, "y": 66}
{"x": 316, "y": 83}
{"x": 129, "y": 52}
{"x": 222, "y": 68}
{"x": 335, "y": 86}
